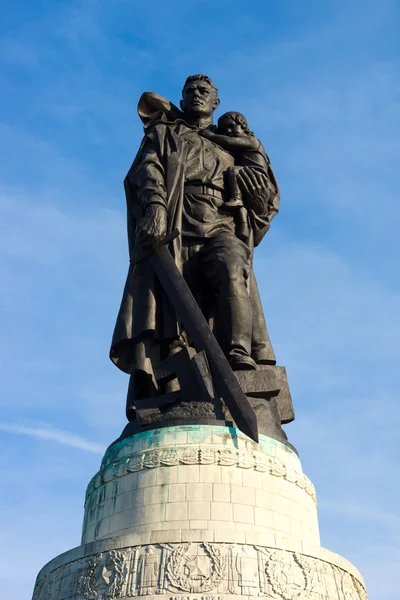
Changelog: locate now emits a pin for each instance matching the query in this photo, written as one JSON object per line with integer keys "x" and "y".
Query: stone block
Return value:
{"x": 268, "y": 382}
{"x": 154, "y": 513}
{"x": 221, "y": 511}
{"x": 263, "y": 517}
{"x": 243, "y": 513}
{"x": 263, "y": 499}
{"x": 221, "y": 492}
{"x": 301, "y": 497}
{"x": 88, "y": 535}
{"x": 243, "y": 495}
{"x": 118, "y": 523}
{"x": 174, "y": 436}
{"x": 165, "y": 536}
{"x": 125, "y": 484}
{"x": 189, "y": 474}
{"x": 220, "y": 437}
{"x": 179, "y": 524}
{"x": 244, "y": 527}
{"x": 167, "y": 475}
{"x": 274, "y": 485}
{"x": 229, "y": 537}
{"x": 288, "y": 490}
{"x": 261, "y": 383}
{"x": 308, "y": 519}
{"x": 102, "y": 529}
{"x": 210, "y": 474}
{"x": 253, "y": 479}
{"x": 264, "y": 537}
{"x": 199, "y": 510}
{"x": 287, "y": 542}
{"x": 199, "y": 437}
{"x": 146, "y": 478}
{"x": 281, "y": 522}
{"x": 284, "y": 399}
{"x": 155, "y": 494}
{"x": 311, "y": 534}
{"x": 176, "y": 511}
{"x": 217, "y": 525}
{"x": 143, "y": 537}
{"x": 283, "y": 505}
{"x": 134, "y": 518}
{"x": 232, "y": 475}
{"x": 112, "y": 489}
{"x": 296, "y": 529}
{"x": 177, "y": 492}
{"x": 199, "y": 492}
{"x": 199, "y": 524}
{"x": 311, "y": 549}
{"x": 122, "y": 502}
{"x": 137, "y": 498}
{"x": 197, "y": 535}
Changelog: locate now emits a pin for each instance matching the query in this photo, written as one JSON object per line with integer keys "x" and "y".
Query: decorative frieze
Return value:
{"x": 201, "y": 569}
{"x": 201, "y": 455}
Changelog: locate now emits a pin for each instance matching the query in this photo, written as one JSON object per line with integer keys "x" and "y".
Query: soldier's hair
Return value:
{"x": 201, "y": 77}
{"x": 238, "y": 118}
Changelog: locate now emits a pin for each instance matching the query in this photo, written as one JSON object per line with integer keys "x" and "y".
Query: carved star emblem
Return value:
{"x": 104, "y": 577}
{"x": 195, "y": 568}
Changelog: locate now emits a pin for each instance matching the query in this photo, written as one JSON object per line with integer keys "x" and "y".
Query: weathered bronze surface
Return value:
{"x": 211, "y": 194}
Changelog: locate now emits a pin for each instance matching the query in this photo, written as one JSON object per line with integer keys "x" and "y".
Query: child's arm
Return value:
{"x": 233, "y": 144}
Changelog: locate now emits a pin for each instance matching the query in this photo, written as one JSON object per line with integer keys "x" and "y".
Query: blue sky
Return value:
{"x": 319, "y": 83}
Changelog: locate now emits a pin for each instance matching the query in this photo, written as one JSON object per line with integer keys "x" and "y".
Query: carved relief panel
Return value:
{"x": 201, "y": 569}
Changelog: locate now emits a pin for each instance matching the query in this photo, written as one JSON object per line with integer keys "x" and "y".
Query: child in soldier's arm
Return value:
{"x": 233, "y": 134}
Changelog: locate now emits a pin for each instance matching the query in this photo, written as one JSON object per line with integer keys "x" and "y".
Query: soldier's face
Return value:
{"x": 199, "y": 99}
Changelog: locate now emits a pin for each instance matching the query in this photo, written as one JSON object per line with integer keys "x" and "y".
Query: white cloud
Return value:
{"x": 55, "y": 435}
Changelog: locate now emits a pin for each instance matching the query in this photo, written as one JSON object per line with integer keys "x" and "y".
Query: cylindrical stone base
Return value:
{"x": 196, "y": 513}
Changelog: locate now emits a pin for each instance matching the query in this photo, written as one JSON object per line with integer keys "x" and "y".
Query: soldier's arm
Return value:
{"x": 150, "y": 182}
{"x": 150, "y": 177}
{"x": 259, "y": 192}
{"x": 232, "y": 144}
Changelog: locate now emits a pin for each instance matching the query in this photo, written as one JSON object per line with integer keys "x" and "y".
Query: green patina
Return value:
{"x": 190, "y": 434}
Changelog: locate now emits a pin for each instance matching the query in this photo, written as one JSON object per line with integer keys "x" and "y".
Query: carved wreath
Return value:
{"x": 86, "y": 587}
{"x": 181, "y": 582}
{"x": 85, "y": 581}
{"x": 277, "y": 577}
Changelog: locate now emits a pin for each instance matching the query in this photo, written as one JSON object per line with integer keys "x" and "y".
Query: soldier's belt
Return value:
{"x": 205, "y": 190}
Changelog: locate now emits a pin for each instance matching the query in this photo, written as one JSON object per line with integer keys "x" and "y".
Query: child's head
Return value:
{"x": 233, "y": 124}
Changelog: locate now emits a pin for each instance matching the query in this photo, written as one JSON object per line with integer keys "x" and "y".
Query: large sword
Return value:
{"x": 201, "y": 335}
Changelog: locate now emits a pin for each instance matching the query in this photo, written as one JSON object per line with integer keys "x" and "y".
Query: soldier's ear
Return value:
{"x": 181, "y": 105}
{"x": 216, "y": 103}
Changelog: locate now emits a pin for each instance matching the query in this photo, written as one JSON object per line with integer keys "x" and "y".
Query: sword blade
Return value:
{"x": 203, "y": 338}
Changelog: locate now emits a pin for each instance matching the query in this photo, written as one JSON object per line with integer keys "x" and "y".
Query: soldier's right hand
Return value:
{"x": 153, "y": 226}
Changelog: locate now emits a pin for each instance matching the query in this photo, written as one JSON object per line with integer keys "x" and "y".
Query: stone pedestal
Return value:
{"x": 199, "y": 512}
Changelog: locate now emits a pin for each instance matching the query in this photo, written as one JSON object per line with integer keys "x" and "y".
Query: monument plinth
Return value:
{"x": 202, "y": 497}
{"x": 200, "y": 511}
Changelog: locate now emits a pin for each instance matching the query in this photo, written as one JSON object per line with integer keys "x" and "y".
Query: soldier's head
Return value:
{"x": 199, "y": 97}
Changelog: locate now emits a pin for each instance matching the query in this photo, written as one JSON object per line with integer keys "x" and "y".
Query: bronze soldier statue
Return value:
{"x": 179, "y": 180}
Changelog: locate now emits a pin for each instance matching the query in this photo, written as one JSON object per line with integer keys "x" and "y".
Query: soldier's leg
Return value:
{"x": 226, "y": 264}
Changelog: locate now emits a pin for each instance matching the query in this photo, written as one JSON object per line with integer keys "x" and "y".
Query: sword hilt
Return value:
{"x": 141, "y": 254}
